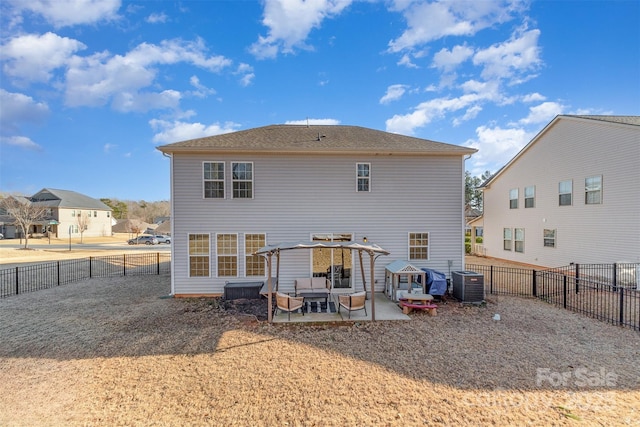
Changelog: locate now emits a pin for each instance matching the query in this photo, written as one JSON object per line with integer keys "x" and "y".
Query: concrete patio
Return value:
{"x": 385, "y": 310}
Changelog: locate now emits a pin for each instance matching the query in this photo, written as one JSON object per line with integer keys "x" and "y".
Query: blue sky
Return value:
{"x": 89, "y": 88}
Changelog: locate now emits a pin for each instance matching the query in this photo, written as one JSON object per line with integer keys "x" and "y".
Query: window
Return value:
{"x": 254, "y": 264}
{"x": 549, "y": 237}
{"x": 95, "y": 214}
{"x": 213, "y": 176}
{"x": 565, "y": 190}
{"x": 363, "y": 175}
{"x": 73, "y": 214}
{"x": 530, "y": 197}
{"x": 242, "y": 177}
{"x": 198, "y": 255}
{"x": 519, "y": 239}
{"x": 418, "y": 245}
{"x": 506, "y": 239}
{"x": 227, "y": 250}
{"x": 513, "y": 198}
{"x": 74, "y": 229}
{"x": 593, "y": 190}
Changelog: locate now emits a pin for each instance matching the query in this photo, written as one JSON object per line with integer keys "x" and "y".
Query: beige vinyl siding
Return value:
{"x": 296, "y": 195}
{"x": 571, "y": 149}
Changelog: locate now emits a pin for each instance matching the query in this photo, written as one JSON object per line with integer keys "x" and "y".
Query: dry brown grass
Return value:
{"x": 114, "y": 352}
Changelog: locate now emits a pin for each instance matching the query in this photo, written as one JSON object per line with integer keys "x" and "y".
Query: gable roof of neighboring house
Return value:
{"x": 336, "y": 139}
{"x": 51, "y": 197}
{"x": 617, "y": 120}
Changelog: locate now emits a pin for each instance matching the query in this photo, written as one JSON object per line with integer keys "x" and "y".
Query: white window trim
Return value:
{"x": 224, "y": 186}
{"x": 533, "y": 197}
{"x": 586, "y": 191}
{"x": 510, "y": 239}
{"x": 560, "y": 193}
{"x": 409, "y": 245}
{"x": 189, "y": 255}
{"x": 245, "y": 254}
{"x": 252, "y": 181}
{"x": 516, "y": 198}
{"x": 237, "y": 254}
{"x": 554, "y": 238}
{"x": 358, "y": 178}
{"x": 516, "y": 240}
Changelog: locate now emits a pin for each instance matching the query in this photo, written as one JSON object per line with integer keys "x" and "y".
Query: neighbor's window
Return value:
{"x": 254, "y": 264}
{"x": 519, "y": 239}
{"x": 565, "y": 191}
{"x": 513, "y": 198}
{"x": 213, "y": 177}
{"x": 73, "y": 213}
{"x": 363, "y": 174}
{"x": 593, "y": 190}
{"x": 198, "y": 255}
{"x": 529, "y": 197}
{"x": 506, "y": 239}
{"x": 242, "y": 178}
{"x": 418, "y": 245}
{"x": 227, "y": 251}
{"x": 95, "y": 214}
{"x": 549, "y": 237}
{"x": 108, "y": 214}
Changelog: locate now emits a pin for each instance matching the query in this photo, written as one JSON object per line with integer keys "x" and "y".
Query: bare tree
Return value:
{"x": 24, "y": 214}
{"x": 83, "y": 222}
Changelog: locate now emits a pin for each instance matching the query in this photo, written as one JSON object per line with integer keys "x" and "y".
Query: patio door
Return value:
{"x": 334, "y": 264}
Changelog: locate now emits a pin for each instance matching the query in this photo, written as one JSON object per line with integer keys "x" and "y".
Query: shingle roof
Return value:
{"x": 627, "y": 120}
{"x": 315, "y": 140}
{"x": 52, "y": 197}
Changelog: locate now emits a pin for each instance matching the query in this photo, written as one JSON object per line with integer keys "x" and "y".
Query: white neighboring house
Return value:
{"x": 72, "y": 210}
{"x": 234, "y": 193}
{"x": 572, "y": 194}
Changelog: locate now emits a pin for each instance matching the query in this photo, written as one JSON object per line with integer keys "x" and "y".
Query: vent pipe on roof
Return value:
{"x": 321, "y": 136}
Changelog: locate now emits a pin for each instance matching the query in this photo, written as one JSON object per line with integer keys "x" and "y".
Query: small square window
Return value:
{"x": 549, "y": 238}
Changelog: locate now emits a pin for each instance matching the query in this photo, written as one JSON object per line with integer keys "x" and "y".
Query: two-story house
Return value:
{"x": 234, "y": 193}
{"x": 570, "y": 195}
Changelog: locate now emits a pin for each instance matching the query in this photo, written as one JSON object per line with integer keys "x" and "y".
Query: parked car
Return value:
{"x": 147, "y": 240}
{"x": 163, "y": 239}
{"x": 1, "y": 236}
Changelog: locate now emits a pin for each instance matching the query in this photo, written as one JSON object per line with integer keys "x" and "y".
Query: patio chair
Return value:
{"x": 353, "y": 302}
{"x": 288, "y": 303}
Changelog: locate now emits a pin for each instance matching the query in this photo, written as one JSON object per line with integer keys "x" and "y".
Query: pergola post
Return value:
{"x": 270, "y": 289}
{"x": 373, "y": 299}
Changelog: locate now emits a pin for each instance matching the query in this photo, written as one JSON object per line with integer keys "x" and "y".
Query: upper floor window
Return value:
{"x": 213, "y": 177}
{"x": 254, "y": 264}
{"x": 418, "y": 245}
{"x": 227, "y": 250}
{"x": 198, "y": 255}
{"x": 108, "y": 214}
{"x": 549, "y": 237}
{"x": 95, "y": 214}
{"x": 73, "y": 214}
{"x": 519, "y": 239}
{"x": 565, "y": 192}
{"x": 593, "y": 190}
{"x": 513, "y": 198}
{"x": 242, "y": 179}
{"x": 363, "y": 176}
{"x": 529, "y": 197}
{"x": 506, "y": 239}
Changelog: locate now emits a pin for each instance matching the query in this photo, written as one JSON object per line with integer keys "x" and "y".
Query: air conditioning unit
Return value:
{"x": 468, "y": 286}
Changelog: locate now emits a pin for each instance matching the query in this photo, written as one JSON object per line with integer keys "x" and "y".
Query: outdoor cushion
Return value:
{"x": 311, "y": 285}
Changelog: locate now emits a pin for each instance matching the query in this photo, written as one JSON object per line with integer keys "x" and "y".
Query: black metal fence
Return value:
{"x": 607, "y": 292}
{"x": 34, "y": 277}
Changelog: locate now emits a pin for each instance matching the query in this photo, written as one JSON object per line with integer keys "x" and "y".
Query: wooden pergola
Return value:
{"x": 373, "y": 250}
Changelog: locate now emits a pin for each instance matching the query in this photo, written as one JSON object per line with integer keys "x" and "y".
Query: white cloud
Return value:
{"x": 168, "y": 132}
{"x": 406, "y": 61}
{"x": 470, "y": 114}
{"x": 428, "y": 21}
{"x": 246, "y": 72}
{"x": 319, "y": 122}
{"x": 62, "y": 13}
{"x": 542, "y": 113}
{"x": 100, "y": 78}
{"x": 533, "y": 97}
{"x": 202, "y": 91}
{"x": 157, "y": 18}
{"x": 394, "y": 92}
{"x": 496, "y": 146}
{"x": 520, "y": 54}
{"x": 448, "y": 60}
{"x": 109, "y": 147}
{"x": 290, "y": 22}
{"x": 19, "y": 108}
{"x": 33, "y": 57}
{"x": 20, "y": 141}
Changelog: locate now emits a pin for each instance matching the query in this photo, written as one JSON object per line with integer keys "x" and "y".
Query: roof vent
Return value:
{"x": 321, "y": 136}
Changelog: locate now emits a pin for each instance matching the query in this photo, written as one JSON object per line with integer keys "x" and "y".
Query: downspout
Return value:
{"x": 172, "y": 219}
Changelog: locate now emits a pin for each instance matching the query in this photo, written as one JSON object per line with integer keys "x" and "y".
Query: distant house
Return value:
{"x": 67, "y": 212}
{"x": 570, "y": 195}
{"x": 232, "y": 194}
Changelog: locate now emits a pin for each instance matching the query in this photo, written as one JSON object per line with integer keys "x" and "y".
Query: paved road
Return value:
{"x": 15, "y": 244}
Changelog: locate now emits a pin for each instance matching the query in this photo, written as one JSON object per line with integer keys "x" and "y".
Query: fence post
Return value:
{"x": 90, "y": 264}
{"x": 621, "y": 306}
{"x": 58, "y": 271}
{"x": 491, "y": 279}
{"x": 158, "y": 262}
{"x": 615, "y": 276}
{"x": 535, "y": 283}
{"x": 17, "y": 281}
{"x": 124, "y": 264}
{"x": 564, "y": 291}
{"x": 577, "y": 278}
